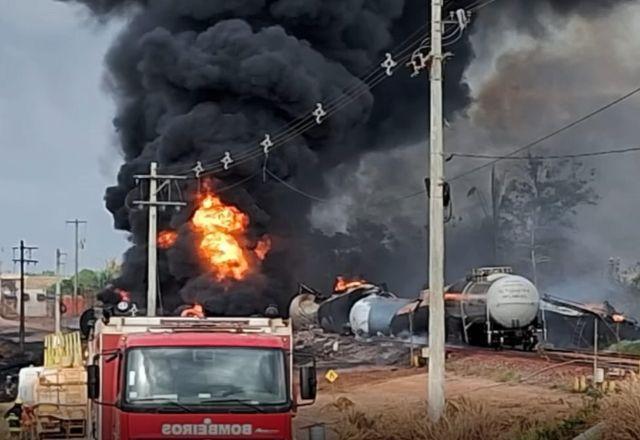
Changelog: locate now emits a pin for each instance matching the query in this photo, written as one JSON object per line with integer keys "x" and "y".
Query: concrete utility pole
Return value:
{"x": 23, "y": 260}
{"x": 152, "y": 265}
{"x": 495, "y": 212}
{"x": 595, "y": 348}
{"x": 77, "y": 224}
{"x": 436, "y": 223}
{"x": 57, "y": 301}
{"x": 153, "y": 203}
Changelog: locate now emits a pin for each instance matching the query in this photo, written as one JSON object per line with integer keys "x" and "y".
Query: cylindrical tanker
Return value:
{"x": 373, "y": 315}
{"x": 498, "y": 306}
{"x": 303, "y": 311}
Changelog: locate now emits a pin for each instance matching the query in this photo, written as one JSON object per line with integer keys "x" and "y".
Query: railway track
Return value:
{"x": 609, "y": 360}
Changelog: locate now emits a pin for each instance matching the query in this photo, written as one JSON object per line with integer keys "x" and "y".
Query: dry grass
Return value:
{"x": 468, "y": 420}
{"x": 464, "y": 420}
{"x": 621, "y": 413}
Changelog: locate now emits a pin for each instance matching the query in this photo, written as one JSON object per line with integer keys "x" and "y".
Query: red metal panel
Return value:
{"x": 109, "y": 385}
{"x": 209, "y": 339}
{"x": 206, "y": 426}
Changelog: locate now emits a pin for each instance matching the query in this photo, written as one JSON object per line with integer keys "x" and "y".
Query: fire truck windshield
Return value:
{"x": 186, "y": 377}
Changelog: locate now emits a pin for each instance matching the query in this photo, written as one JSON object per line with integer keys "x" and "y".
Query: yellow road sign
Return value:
{"x": 331, "y": 376}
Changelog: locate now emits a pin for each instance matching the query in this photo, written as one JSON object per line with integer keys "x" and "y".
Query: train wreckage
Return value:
{"x": 490, "y": 307}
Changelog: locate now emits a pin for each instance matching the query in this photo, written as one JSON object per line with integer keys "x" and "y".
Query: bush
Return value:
{"x": 627, "y": 347}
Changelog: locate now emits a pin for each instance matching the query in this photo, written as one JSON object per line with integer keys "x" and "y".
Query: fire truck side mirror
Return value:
{"x": 93, "y": 382}
{"x": 308, "y": 382}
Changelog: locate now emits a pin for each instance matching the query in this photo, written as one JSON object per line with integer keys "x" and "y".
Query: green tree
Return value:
{"x": 539, "y": 203}
{"x": 110, "y": 272}
{"x": 89, "y": 280}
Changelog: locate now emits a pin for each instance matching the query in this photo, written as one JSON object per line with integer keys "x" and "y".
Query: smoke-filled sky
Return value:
{"x": 526, "y": 78}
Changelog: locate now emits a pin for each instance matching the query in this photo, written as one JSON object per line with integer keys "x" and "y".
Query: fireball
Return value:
{"x": 222, "y": 231}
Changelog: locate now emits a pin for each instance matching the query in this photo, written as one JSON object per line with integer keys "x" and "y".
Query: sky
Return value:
{"x": 58, "y": 142}
{"x": 56, "y": 137}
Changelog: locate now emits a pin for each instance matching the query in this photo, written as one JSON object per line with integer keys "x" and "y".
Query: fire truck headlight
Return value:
{"x": 123, "y": 306}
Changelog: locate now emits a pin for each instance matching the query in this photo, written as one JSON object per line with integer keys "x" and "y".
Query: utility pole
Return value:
{"x": 23, "y": 260}
{"x": 595, "y": 347}
{"x": 57, "y": 301}
{"x": 76, "y": 224}
{"x": 436, "y": 223}
{"x": 153, "y": 203}
{"x": 495, "y": 212}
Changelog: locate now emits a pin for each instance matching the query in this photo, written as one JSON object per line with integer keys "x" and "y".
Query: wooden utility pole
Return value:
{"x": 57, "y": 302}
{"x": 23, "y": 260}
{"x": 436, "y": 223}
{"x": 152, "y": 204}
{"x": 76, "y": 224}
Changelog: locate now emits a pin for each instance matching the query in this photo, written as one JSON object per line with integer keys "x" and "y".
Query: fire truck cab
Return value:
{"x": 177, "y": 378}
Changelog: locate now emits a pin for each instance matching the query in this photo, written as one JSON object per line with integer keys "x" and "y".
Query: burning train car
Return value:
{"x": 491, "y": 307}
{"x": 338, "y": 312}
{"x": 575, "y": 326}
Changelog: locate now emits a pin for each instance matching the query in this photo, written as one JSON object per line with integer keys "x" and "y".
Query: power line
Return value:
{"x": 494, "y": 158}
{"x": 306, "y": 121}
{"x": 296, "y": 190}
{"x": 552, "y": 134}
{"x": 557, "y": 156}
{"x": 332, "y": 201}
{"x": 362, "y": 86}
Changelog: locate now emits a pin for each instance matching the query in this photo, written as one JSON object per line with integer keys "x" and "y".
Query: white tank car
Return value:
{"x": 495, "y": 307}
{"x": 512, "y": 301}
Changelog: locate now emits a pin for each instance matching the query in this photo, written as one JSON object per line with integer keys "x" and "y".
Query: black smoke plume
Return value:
{"x": 195, "y": 78}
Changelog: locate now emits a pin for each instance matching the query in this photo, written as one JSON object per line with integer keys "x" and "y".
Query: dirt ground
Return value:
{"x": 520, "y": 388}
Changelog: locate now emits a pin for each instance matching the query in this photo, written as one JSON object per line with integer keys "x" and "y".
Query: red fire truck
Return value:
{"x": 177, "y": 378}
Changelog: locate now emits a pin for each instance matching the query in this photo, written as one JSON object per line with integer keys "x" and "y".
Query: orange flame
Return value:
{"x": 263, "y": 247}
{"x": 167, "y": 239}
{"x": 222, "y": 245}
{"x": 618, "y": 318}
{"x": 124, "y": 295}
{"x": 342, "y": 284}
{"x": 195, "y": 312}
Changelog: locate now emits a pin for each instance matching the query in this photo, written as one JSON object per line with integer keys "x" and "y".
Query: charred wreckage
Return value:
{"x": 491, "y": 307}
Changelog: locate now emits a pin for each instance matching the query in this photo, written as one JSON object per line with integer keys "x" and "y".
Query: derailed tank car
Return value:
{"x": 494, "y": 307}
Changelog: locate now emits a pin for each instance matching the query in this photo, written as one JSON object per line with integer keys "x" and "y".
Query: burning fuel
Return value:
{"x": 617, "y": 318}
{"x": 197, "y": 311}
{"x": 263, "y": 247}
{"x": 343, "y": 284}
{"x": 222, "y": 232}
{"x": 167, "y": 239}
